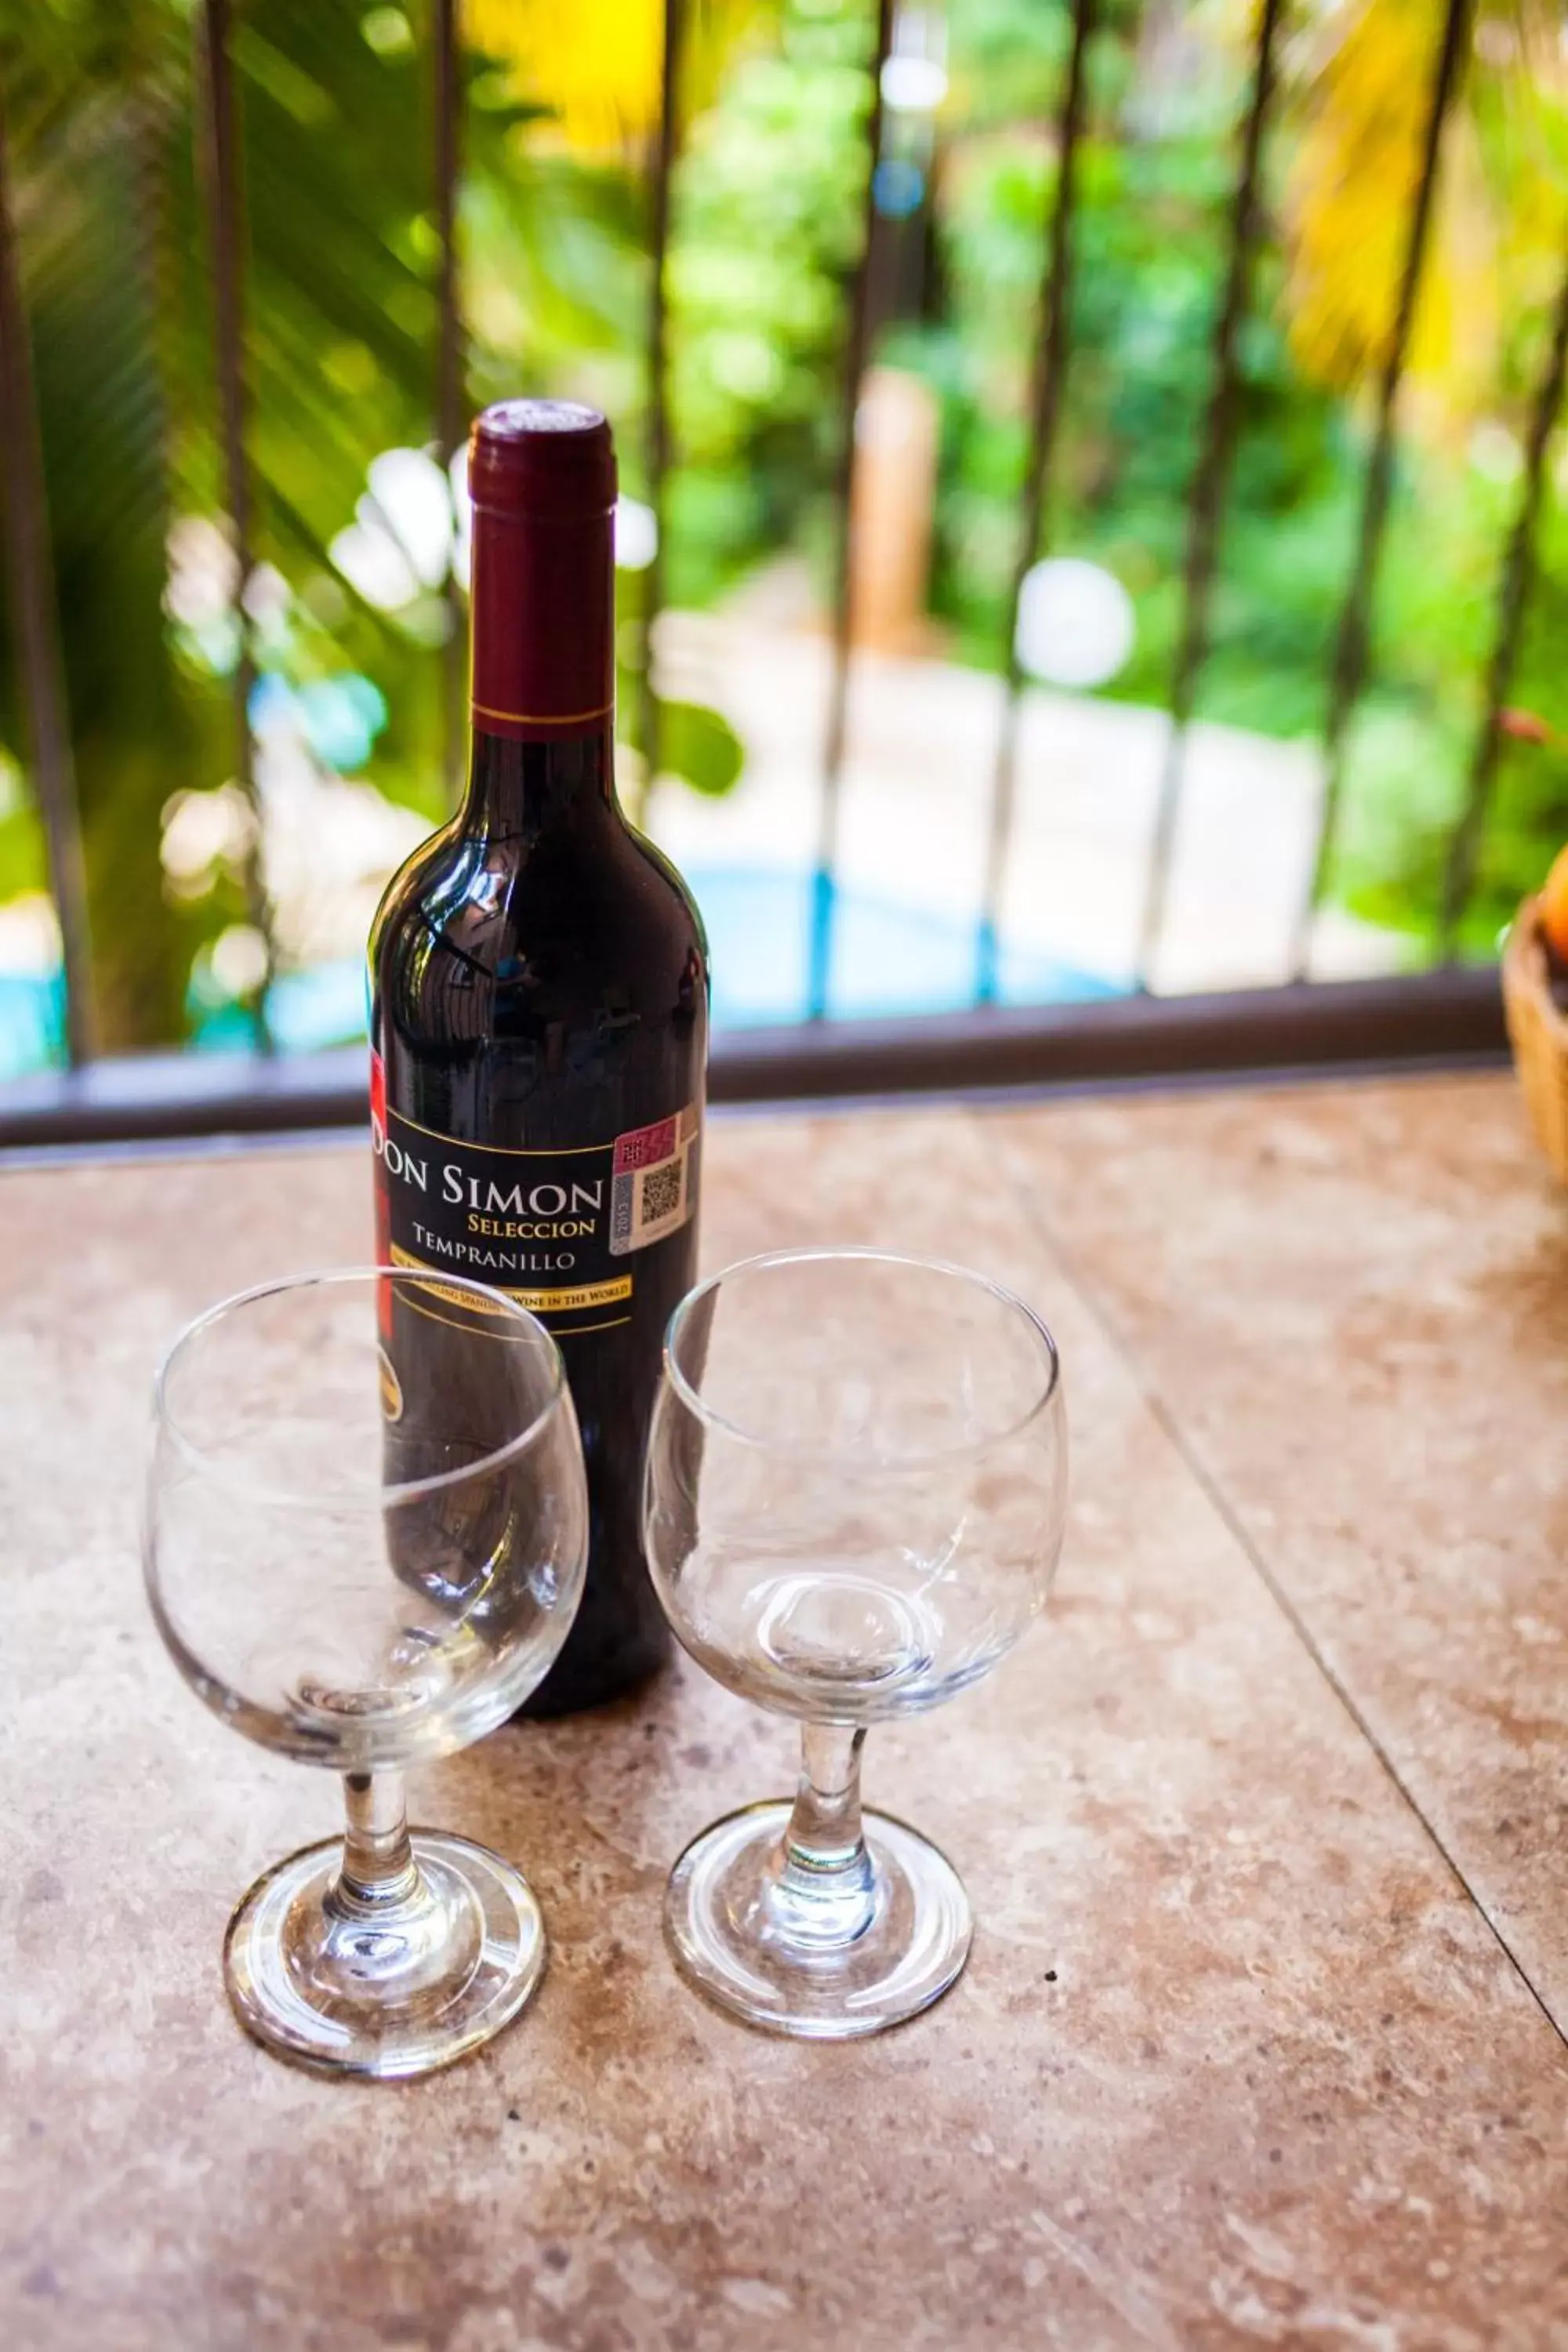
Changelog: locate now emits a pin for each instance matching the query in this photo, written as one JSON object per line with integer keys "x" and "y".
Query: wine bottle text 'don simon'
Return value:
{"x": 539, "y": 1034}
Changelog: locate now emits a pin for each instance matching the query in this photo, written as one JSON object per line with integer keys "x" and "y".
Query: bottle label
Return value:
{"x": 558, "y": 1231}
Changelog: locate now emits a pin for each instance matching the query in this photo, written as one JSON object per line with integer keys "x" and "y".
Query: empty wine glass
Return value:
{"x": 856, "y": 1485}
{"x": 365, "y": 1534}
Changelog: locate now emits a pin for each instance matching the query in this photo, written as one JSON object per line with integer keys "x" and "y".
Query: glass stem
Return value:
{"x": 378, "y": 1865}
{"x": 384, "y": 1932}
{"x": 825, "y": 1884}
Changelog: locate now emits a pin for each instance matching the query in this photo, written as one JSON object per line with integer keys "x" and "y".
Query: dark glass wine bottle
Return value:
{"x": 538, "y": 1033}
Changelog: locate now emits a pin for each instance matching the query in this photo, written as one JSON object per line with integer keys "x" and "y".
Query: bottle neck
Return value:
{"x": 517, "y": 787}
{"x": 544, "y": 670}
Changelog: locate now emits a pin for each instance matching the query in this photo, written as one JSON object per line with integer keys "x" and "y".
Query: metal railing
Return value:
{"x": 1447, "y": 1013}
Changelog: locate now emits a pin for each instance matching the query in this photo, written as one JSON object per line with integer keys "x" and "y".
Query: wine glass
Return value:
{"x": 855, "y": 1485}
{"x": 365, "y": 1537}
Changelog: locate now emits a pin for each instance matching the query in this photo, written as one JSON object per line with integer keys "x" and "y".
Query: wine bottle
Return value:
{"x": 539, "y": 981}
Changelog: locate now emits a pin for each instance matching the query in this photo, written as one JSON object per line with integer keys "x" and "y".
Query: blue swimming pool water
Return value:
{"x": 886, "y": 960}
{"x": 32, "y": 1023}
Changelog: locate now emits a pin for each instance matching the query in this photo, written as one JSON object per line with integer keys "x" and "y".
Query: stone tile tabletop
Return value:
{"x": 1261, "y": 2042}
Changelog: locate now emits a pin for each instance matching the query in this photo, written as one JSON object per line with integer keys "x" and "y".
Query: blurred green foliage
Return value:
{"x": 767, "y": 228}
{"x": 106, "y": 146}
{"x": 1156, "y": 187}
{"x": 341, "y": 342}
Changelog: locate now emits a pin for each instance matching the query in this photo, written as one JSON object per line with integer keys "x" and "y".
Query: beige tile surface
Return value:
{"x": 1236, "y": 2061}
{"x": 1352, "y": 1303}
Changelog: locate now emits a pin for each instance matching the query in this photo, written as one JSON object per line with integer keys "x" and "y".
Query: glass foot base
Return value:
{"x": 385, "y": 1989}
{"x": 736, "y": 1935}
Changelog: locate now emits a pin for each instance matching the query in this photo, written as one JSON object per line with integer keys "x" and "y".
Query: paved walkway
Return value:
{"x": 917, "y": 795}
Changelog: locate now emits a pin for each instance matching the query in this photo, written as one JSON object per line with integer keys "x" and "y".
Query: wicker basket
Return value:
{"x": 1538, "y": 1031}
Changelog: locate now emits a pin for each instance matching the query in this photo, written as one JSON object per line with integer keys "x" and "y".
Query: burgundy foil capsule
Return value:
{"x": 541, "y": 476}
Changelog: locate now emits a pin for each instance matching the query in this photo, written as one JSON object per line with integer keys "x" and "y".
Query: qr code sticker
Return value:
{"x": 662, "y": 1191}
{"x": 653, "y": 1191}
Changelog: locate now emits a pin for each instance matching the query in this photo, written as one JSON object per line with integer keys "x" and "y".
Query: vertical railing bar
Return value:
{"x": 31, "y": 562}
{"x": 665, "y": 148}
{"x": 1352, "y": 646}
{"x": 1049, "y": 370}
{"x": 221, "y": 146}
{"x": 449, "y": 371}
{"x": 1209, "y": 484}
{"x": 855, "y": 351}
{"x": 147, "y": 130}
{"x": 1518, "y": 575}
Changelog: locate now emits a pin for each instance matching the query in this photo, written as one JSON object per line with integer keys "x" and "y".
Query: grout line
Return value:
{"x": 1236, "y": 1526}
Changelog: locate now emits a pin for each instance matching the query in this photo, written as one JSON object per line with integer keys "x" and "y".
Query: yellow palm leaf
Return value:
{"x": 1351, "y": 193}
{"x": 596, "y": 64}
